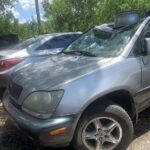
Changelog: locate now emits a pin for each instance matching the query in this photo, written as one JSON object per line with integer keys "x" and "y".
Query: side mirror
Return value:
{"x": 147, "y": 46}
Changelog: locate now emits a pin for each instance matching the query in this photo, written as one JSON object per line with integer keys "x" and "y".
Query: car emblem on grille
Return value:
{"x": 15, "y": 90}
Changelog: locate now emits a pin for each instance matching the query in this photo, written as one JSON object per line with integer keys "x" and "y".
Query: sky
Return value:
{"x": 24, "y": 10}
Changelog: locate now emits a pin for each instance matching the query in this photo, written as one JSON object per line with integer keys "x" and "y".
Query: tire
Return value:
{"x": 2, "y": 92}
{"x": 111, "y": 111}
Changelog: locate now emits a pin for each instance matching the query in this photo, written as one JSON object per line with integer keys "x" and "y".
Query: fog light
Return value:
{"x": 58, "y": 131}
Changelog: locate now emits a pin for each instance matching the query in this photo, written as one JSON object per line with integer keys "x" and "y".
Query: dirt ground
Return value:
{"x": 12, "y": 139}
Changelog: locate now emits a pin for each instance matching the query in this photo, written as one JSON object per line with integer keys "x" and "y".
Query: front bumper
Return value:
{"x": 39, "y": 130}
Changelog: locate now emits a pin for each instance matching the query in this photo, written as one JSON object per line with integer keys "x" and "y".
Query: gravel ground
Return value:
{"x": 12, "y": 139}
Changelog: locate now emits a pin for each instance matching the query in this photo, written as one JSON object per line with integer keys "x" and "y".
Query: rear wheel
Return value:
{"x": 106, "y": 127}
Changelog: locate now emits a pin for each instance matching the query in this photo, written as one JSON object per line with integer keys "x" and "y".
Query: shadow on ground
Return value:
{"x": 12, "y": 139}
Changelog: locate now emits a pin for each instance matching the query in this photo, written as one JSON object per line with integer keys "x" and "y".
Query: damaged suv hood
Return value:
{"x": 55, "y": 70}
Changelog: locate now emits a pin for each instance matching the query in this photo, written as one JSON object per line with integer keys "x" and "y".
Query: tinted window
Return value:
{"x": 70, "y": 38}
{"x": 57, "y": 42}
{"x": 147, "y": 31}
{"x": 138, "y": 47}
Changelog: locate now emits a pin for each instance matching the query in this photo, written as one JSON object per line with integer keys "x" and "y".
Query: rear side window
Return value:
{"x": 70, "y": 38}
{"x": 58, "y": 42}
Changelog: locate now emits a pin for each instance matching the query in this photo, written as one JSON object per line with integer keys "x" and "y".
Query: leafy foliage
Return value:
{"x": 9, "y": 24}
{"x": 6, "y": 16}
{"x": 74, "y": 15}
{"x": 4, "y": 5}
{"x": 68, "y": 15}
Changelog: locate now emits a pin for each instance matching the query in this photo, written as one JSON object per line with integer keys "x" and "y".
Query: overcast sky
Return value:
{"x": 25, "y": 9}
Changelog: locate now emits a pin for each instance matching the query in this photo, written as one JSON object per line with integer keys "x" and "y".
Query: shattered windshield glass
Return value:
{"x": 102, "y": 43}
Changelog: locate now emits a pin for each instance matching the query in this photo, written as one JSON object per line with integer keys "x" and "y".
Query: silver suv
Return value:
{"x": 89, "y": 94}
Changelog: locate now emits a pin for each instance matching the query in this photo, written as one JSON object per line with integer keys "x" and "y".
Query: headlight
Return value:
{"x": 42, "y": 104}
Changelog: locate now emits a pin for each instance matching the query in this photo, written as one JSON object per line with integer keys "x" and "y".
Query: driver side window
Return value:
{"x": 139, "y": 45}
{"x": 146, "y": 31}
{"x": 145, "y": 36}
{"x": 56, "y": 42}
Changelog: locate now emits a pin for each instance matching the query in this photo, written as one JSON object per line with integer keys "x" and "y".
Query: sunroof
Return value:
{"x": 127, "y": 18}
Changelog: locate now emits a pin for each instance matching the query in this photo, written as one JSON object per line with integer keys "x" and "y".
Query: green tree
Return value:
{"x": 6, "y": 16}
{"x": 75, "y": 15}
{"x": 107, "y": 9}
{"x": 4, "y": 5}
{"x": 71, "y": 15}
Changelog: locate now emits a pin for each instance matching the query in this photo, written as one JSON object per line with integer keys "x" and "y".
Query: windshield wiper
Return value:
{"x": 84, "y": 53}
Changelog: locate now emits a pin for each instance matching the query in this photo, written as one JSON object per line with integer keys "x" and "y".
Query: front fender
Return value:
{"x": 83, "y": 91}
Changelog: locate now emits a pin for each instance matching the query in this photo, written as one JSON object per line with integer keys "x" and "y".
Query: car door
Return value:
{"x": 145, "y": 65}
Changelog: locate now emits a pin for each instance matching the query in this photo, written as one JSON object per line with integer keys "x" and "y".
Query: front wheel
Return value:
{"x": 106, "y": 127}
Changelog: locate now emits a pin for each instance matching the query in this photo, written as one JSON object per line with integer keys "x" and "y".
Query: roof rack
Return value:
{"x": 127, "y": 18}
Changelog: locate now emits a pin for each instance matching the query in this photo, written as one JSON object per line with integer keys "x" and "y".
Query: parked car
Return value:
{"x": 8, "y": 39}
{"x": 41, "y": 45}
{"x": 89, "y": 94}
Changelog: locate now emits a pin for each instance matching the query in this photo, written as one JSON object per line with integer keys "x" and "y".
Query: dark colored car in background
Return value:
{"x": 47, "y": 44}
{"x": 8, "y": 39}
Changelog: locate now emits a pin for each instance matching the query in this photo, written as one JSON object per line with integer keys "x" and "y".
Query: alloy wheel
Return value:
{"x": 103, "y": 133}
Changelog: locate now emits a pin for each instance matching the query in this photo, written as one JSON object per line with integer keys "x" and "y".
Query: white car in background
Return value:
{"x": 41, "y": 45}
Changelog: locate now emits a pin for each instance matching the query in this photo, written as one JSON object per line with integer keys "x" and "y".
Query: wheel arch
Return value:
{"x": 111, "y": 97}
{"x": 121, "y": 97}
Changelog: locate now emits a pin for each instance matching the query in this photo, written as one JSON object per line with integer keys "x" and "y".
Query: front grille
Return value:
{"x": 15, "y": 90}
{"x": 15, "y": 104}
